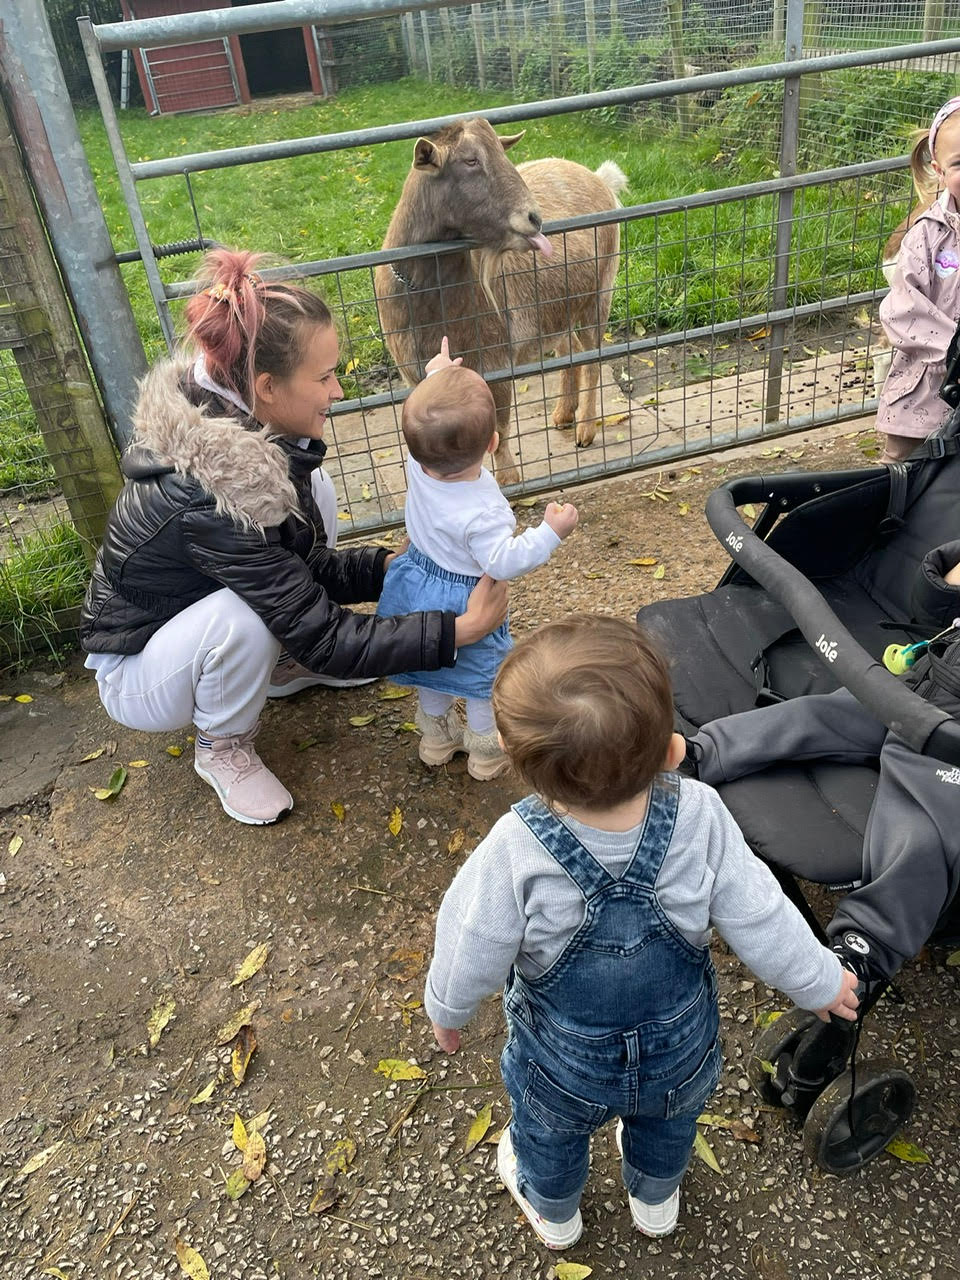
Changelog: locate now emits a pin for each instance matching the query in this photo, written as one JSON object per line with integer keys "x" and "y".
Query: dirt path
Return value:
{"x": 149, "y": 902}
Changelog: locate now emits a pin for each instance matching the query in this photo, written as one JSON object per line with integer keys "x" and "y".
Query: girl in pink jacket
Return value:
{"x": 921, "y": 312}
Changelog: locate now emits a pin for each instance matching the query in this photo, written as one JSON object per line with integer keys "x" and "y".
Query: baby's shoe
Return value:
{"x": 486, "y": 759}
{"x": 555, "y": 1235}
{"x": 652, "y": 1219}
{"x": 441, "y": 737}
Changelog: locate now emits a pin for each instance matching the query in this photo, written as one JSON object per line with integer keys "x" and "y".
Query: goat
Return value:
{"x": 494, "y": 305}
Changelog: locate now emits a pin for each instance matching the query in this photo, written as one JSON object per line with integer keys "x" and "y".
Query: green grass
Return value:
{"x": 705, "y": 266}
{"x": 24, "y": 465}
{"x": 42, "y": 581}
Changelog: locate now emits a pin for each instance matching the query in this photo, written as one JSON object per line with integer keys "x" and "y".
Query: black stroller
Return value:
{"x": 818, "y": 588}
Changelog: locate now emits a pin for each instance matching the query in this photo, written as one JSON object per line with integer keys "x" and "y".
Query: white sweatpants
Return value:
{"x": 210, "y": 665}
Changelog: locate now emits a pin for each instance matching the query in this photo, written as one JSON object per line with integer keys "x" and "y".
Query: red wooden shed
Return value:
{"x": 224, "y": 71}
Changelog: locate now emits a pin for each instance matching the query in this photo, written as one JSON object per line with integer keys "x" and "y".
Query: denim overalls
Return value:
{"x": 623, "y": 1023}
{"x": 413, "y": 583}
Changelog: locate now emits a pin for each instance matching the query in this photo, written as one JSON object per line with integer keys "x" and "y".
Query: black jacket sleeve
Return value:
{"x": 935, "y": 603}
{"x": 351, "y": 576}
{"x": 279, "y": 587}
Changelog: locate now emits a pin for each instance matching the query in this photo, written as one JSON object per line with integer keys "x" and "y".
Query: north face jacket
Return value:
{"x": 213, "y": 500}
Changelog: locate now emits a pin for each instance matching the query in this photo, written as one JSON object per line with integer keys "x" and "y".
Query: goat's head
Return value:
{"x": 475, "y": 190}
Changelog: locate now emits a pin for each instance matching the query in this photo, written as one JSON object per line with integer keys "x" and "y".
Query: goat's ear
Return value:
{"x": 508, "y": 139}
{"x": 426, "y": 155}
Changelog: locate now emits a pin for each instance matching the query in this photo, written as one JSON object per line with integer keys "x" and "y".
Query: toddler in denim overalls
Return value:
{"x": 592, "y": 902}
{"x": 460, "y": 527}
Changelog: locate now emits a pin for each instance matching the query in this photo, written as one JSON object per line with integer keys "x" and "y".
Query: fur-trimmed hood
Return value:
{"x": 244, "y": 468}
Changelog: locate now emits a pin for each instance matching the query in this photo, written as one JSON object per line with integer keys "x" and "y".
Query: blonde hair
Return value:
{"x": 585, "y": 710}
{"x": 449, "y": 419}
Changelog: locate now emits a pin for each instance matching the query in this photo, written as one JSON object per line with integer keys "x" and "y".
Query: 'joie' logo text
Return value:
{"x": 734, "y": 542}
{"x": 828, "y": 648}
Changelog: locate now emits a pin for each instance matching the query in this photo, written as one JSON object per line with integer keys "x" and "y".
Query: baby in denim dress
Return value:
{"x": 460, "y": 527}
{"x": 592, "y": 902}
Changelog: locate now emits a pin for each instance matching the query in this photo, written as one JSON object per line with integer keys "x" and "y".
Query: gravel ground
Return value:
{"x": 112, "y": 1149}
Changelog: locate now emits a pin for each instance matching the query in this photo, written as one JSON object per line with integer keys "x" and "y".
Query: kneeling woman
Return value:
{"x": 215, "y": 556}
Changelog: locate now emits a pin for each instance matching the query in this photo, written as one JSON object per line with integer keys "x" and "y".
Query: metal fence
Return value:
{"x": 737, "y": 313}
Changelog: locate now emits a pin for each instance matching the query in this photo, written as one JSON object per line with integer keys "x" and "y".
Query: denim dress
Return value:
{"x": 623, "y": 1023}
{"x": 413, "y": 583}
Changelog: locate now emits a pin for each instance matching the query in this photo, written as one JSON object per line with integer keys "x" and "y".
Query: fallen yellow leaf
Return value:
{"x": 340, "y": 1156}
{"x": 239, "y": 1132}
{"x": 237, "y": 1184}
{"x": 92, "y": 755}
{"x": 398, "y": 1069}
{"x": 703, "y": 1149}
{"x": 206, "y": 1093}
{"x": 572, "y": 1271}
{"x": 643, "y": 560}
{"x": 359, "y": 721}
{"x": 396, "y": 821}
{"x": 15, "y": 845}
{"x": 160, "y": 1015}
{"x": 660, "y": 571}
{"x": 393, "y": 691}
{"x": 480, "y": 1125}
{"x": 252, "y": 964}
{"x": 337, "y": 809}
{"x": 191, "y": 1262}
{"x": 908, "y": 1151}
{"x": 174, "y": 751}
{"x": 23, "y": 697}
{"x": 138, "y": 764}
{"x": 230, "y": 1028}
{"x": 39, "y": 1160}
{"x": 455, "y": 843}
{"x": 254, "y": 1157}
{"x": 243, "y": 1048}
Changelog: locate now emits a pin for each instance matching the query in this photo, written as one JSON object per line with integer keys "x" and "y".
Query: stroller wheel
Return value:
{"x": 776, "y": 1041}
{"x": 882, "y": 1103}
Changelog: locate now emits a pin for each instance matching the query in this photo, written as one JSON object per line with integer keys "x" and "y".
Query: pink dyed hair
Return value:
{"x": 245, "y": 326}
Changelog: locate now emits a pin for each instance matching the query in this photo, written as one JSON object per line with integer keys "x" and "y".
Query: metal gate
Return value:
{"x": 773, "y": 382}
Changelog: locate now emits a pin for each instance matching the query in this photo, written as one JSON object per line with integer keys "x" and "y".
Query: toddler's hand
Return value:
{"x": 442, "y": 359}
{"x": 562, "y": 518}
{"x": 845, "y": 1005}
{"x": 447, "y": 1038}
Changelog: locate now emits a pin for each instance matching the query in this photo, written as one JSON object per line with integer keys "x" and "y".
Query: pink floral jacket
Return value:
{"x": 920, "y": 315}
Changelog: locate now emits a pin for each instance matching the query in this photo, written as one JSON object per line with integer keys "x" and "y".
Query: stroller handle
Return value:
{"x": 927, "y": 729}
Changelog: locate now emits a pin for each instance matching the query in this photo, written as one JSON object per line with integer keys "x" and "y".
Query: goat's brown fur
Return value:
{"x": 496, "y": 304}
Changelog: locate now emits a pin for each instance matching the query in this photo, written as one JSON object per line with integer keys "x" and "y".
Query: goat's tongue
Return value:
{"x": 540, "y": 241}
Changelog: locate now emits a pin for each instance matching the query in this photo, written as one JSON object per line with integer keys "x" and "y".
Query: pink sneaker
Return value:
{"x": 247, "y": 789}
{"x": 290, "y": 676}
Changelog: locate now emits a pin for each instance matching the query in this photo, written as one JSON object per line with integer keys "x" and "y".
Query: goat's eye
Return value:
{"x": 471, "y": 161}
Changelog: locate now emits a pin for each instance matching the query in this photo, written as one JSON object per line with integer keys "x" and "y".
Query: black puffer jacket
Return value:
{"x": 210, "y": 501}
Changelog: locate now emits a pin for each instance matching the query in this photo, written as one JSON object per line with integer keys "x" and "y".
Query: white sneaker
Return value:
{"x": 486, "y": 759}
{"x": 651, "y": 1219}
{"x": 555, "y": 1235}
{"x": 441, "y": 737}
{"x": 289, "y": 677}
{"x": 247, "y": 789}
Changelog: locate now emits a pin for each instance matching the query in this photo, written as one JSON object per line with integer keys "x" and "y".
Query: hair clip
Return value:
{"x": 254, "y": 278}
{"x": 219, "y": 292}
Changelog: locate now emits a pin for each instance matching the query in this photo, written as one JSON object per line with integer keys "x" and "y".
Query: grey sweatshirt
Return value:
{"x": 511, "y": 904}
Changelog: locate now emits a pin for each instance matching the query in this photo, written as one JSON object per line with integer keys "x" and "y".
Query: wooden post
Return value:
{"x": 614, "y": 18}
{"x": 933, "y": 15}
{"x": 39, "y": 326}
{"x": 447, "y": 43}
{"x": 810, "y": 85}
{"x": 476, "y": 22}
{"x": 590, "y": 18}
{"x": 675, "y": 12}
{"x": 556, "y": 41}
{"x": 512, "y": 42}
{"x": 427, "y": 52}
{"x": 778, "y": 31}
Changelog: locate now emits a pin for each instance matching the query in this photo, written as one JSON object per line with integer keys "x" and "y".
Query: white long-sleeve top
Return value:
{"x": 511, "y": 903}
{"x": 467, "y": 527}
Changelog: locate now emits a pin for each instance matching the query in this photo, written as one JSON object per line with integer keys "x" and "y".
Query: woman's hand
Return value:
{"x": 388, "y": 560}
{"x": 486, "y": 609}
